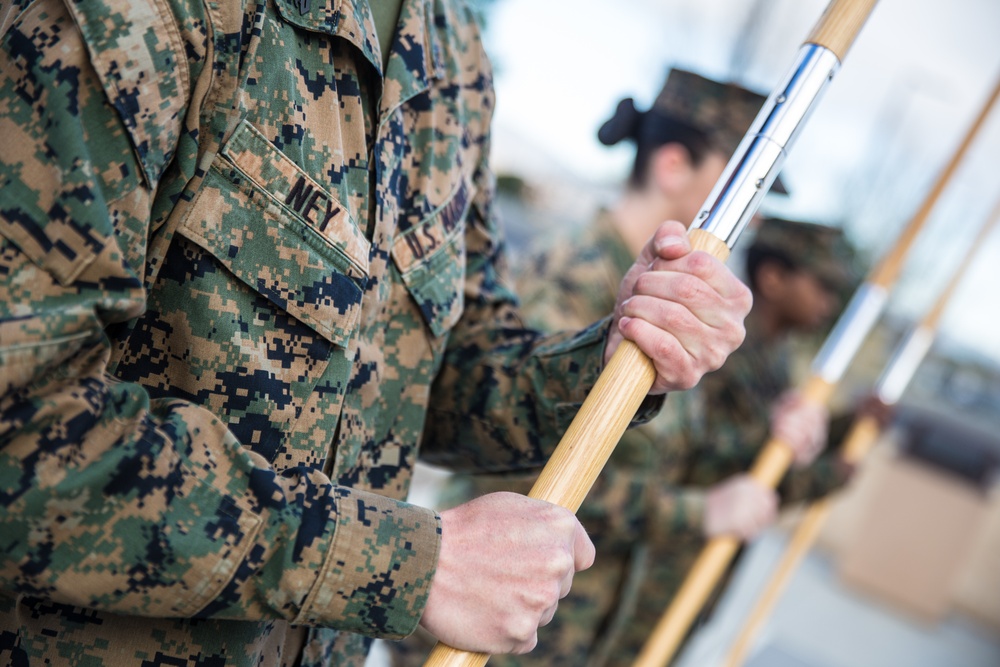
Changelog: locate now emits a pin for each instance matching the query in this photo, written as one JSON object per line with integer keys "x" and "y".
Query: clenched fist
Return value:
{"x": 684, "y": 309}
{"x": 506, "y": 560}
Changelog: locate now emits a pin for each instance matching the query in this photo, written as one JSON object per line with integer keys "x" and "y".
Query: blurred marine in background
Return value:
{"x": 679, "y": 479}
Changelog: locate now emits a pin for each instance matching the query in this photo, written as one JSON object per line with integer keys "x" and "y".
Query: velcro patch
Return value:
{"x": 433, "y": 233}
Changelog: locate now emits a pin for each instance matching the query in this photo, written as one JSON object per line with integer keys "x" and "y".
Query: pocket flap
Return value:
{"x": 314, "y": 15}
{"x": 431, "y": 258}
{"x": 310, "y": 260}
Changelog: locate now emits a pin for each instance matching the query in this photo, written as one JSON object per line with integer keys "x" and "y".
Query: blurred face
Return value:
{"x": 805, "y": 303}
{"x": 683, "y": 185}
{"x": 701, "y": 180}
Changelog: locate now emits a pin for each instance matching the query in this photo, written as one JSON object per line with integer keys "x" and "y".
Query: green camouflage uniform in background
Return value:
{"x": 238, "y": 267}
{"x": 645, "y": 512}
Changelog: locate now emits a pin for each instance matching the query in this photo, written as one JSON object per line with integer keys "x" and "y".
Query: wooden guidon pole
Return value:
{"x": 626, "y": 380}
{"x": 776, "y": 456}
{"x": 860, "y": 439}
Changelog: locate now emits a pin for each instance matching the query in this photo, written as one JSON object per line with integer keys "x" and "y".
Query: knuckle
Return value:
{"x": 663, "y": 348}
{"x": 527, "y": 644}
{"x": 560, "y": 523}
{"x": 733, "y": 331}
{"x": 563, "y": 564}
{"x": 535, "y": 601}
{"x": 743, "y": 298}
{"x": 646, "y": 281}
{"x": 716, "y": 352}
{"x": 686, "y": 287}
{"x": 674, "y": 317}
{"x": 701, "y": 262}
{"x": 522, "y": 631}
{"x": 688, "y": 377}
{"x": 567, "y": 520}
{"x": 554, "y": 564}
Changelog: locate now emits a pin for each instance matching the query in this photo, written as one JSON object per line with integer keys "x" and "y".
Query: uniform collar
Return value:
{"x": 415, "y": 59}
{"x": 349, "y": 19}
{"x": 416, "y": 56}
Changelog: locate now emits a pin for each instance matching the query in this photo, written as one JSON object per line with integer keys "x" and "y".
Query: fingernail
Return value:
{"x": 667, "y": 242}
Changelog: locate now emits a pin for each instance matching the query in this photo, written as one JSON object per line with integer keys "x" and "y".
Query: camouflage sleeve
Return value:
{"x": 111, "y": 500}
{"x": 566, "y": 286}
{"x": 629, "y": 505}
{"x": 739, "y": 424}
{"x": 736, "y": 422}
{"x": 826, "y": 474}
{"x": 617, "y": 511}
{"x": 679, "y": 511}
{"x": 638, "y": 496}
{"x": 507, "y": 393}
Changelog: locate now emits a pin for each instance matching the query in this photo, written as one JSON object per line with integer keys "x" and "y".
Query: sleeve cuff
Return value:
{"x": 649, "y": 408}
{"x": 377, "y": 573}
{"x": 587, "y": 345}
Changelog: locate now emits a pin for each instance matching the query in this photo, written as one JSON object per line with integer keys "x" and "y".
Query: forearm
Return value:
{"x": 153, "y": 509}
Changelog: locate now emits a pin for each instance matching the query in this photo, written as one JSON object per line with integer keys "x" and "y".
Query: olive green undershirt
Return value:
{"x": 385, "y": 13}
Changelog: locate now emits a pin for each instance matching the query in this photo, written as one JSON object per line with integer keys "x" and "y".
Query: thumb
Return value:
{"x": 670, "y": 241}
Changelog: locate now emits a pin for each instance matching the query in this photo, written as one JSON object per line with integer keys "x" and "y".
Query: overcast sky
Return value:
{"x": 906, "y": 94}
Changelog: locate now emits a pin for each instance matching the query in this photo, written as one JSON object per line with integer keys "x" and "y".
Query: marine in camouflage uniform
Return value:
{"x": 645, "y": 513}
{"x": 235, "y": 255}
{"x": 735, "y": 404}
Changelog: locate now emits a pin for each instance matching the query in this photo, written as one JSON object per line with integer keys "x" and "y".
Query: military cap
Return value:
{"x": 823, "y": 251}
{"x": 722, "y": 111}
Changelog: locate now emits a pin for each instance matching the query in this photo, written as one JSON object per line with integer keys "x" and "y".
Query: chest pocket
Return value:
{"x": 431, "y": 258}
{"x": 309, "y": 259}
{"x": 256, "y": 302}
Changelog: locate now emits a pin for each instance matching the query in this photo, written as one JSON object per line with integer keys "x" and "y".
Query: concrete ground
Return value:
{"x": 819, "y": 622}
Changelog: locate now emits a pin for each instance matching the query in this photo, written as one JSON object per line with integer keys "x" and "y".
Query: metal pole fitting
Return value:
{"x": 759, "y": 157}
{"x": 904, "y": 365}
{"x": 849, "y": 333}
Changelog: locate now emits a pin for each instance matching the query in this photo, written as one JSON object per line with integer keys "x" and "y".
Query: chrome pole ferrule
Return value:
{"x": 759, "y": 157}
{"x": 849, "y": 333}
{"x": 904, "y": 365}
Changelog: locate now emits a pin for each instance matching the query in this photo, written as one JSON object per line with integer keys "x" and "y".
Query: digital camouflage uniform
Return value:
{"x": 238, "y": 267}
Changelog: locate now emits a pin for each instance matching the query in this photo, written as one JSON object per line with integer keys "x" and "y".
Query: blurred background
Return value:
{"x": 907, "y": 571}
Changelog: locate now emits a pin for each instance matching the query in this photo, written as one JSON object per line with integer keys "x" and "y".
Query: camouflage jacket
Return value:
{"x": 239, "y": 266}
{"x": 645, "y": 512}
